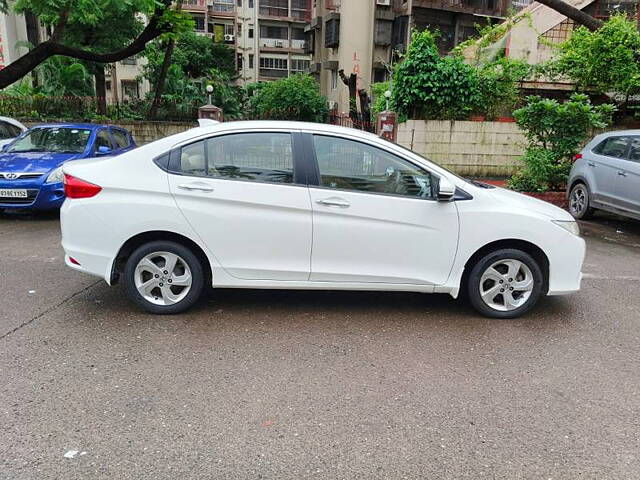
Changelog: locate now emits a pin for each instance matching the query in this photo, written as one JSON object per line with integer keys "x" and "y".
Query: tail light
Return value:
{"x": 577, "y": 156}
{"x": 77, "y": 188}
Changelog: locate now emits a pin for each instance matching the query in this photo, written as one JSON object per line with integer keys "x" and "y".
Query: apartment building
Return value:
{"x": 365, "y": 36}
{"x": 268, "y": 36}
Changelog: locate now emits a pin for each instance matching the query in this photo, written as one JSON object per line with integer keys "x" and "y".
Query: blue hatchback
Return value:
{"x": 31, "y": 166}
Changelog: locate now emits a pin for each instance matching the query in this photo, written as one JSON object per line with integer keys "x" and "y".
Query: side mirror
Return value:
{"x": 446, "y": 190}
{"x": 103, "y": 150}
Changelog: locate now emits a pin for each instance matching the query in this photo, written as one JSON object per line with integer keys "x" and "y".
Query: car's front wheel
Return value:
{"x": 506, "y": 283}
{"x": 579, "y": 202}
{"x": 164, "y": 277}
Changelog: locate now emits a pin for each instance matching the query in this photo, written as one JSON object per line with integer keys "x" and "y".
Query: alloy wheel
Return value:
{"x": 578, "y": 200}
{"x": 506, "y": 285}
{"x": 163, "y": 278}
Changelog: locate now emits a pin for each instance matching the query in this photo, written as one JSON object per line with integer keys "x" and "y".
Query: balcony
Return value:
{"x": 275, "y": 45}
{"x": 492, "y": 8}
{"x": 222, "y": 8}
{"x": 273, "y": 73}
{"x": 194, "y": 5}
{"x": 279, "y": 10}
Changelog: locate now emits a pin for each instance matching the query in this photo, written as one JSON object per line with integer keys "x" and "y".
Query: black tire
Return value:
{"x": 186, "y": 255}
{"x": 473, "y": 283}
{"x": 580, "y": 211}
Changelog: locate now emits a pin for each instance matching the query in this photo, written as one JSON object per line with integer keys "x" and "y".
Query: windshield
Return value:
{"x": 52, "y": 139}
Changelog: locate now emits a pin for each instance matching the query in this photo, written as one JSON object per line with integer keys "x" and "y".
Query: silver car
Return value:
{"x": 606, "y": 176}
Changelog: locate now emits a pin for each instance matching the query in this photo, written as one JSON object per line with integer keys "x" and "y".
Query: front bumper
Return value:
{"x": 41, "y": 196}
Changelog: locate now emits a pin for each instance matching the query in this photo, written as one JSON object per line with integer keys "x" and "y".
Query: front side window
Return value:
{"x": 258, "y": 157}
{"x": 351, "y": 165}
{"x": 103, "y": 140}
{"x": 8, "y": 131}
{"x": 53, "y": 139}
{"x": 613, "y": 147}
{"x": 121, "y": 138}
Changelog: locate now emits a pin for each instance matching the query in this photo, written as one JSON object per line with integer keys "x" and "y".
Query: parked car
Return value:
{"x": 308, "y": 206}
{"x": 31, "y": 165}
{"x": 606, "y": 176}
{"x": 9, "y": 130}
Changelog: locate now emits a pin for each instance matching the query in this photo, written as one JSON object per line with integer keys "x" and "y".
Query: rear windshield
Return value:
{"x": 52, "y": 139}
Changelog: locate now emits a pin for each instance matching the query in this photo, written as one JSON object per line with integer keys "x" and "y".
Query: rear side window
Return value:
{"x": 613, "y": 147}
{"x": 8, "y": 131}
{"x": 121, "y": 138}
{"x": 258, "y": 157}
{"x": 634, "y": 151}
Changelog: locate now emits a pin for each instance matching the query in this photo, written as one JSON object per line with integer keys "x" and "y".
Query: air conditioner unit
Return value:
{"x": 279, "y": 44}
{"x": 229, "y": 37}
{"x": 383, "y": 2}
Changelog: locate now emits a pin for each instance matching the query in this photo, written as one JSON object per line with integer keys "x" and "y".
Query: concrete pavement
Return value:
{"x": 260, "y": 384}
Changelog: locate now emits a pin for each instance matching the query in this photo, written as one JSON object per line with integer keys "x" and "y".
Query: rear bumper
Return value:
{"x": 47, "y": 196}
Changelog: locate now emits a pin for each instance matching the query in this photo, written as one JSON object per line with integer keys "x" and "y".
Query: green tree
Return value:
{"x": 555, "y": 132}
{"x": 429, "y": 86}
{"x": 294, "y": 98}
{"x": 605, "y": 60}
{"x": 87, "y": 16}
{"x": 499, "y": 86}
{"x": 64, "y": 77}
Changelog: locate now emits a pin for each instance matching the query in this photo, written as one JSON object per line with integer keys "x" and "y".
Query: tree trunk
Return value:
{"x": 351, "y": 82}
{"x": 365, "y": 108}
{"x": 101, "y": 90}
{"x": 573, "y": 13}
{"x": 162, "y": 78}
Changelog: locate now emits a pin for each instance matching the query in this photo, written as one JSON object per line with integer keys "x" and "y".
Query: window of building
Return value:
{"x": 251, "y": 33}
{"x": 332, "y": 33}
{"x": 239, "y": 30}
{"x": 251, "y": 60}
{"x": 269, "y": 31}
{"x": 199, "y": 22}
{"x": 239, "y": 61}
{"x": 379, "y": 75}
{"x": 334, "y": 79}
{"x": 250, "y": 3}
{"x": 273, "y": 63}
{"x": 298, "y": 34}
{"x": 239, "y": 3}
{"x": 130, "y": 61}
{"x": 300, "y": 65}
{"x": 130, "y": 89}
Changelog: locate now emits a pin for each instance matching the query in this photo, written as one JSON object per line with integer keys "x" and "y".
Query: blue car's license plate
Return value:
{"x": 13, "y": 193}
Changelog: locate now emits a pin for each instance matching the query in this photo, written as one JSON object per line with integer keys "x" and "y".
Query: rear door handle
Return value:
{"x": 622, "y": 174}
{"x": 198, "y": 187}
{"x": 591, "y": 164}
{"x": 334, "y": 202}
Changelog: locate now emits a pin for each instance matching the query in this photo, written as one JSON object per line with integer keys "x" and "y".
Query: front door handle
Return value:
{"x": 334, "y": 202}
{"x": 622, "y": 174}
{"x": 196, "y": 187}
{"x": 591, "y": 164}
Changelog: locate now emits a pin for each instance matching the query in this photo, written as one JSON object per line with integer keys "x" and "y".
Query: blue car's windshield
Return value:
{"x": 52, "y": 139}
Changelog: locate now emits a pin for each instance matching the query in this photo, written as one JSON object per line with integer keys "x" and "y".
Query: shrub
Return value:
{"x": 428, "y": 86}
{"x": 294, "y": 98}
{"x": 555, "y": 132}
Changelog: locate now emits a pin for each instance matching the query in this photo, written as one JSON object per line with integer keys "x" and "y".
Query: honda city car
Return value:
{"x": 308, "y": 206}
{"x": 31, "y": 165}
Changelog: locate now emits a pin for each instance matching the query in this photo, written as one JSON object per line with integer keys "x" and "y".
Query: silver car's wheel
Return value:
{"x": 506, "y": 285}
{"x": 579, "y": 201}
{"x": 163, "y": 278}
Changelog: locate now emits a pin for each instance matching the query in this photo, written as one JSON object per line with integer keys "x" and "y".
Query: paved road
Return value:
{"x": 298, "y": 385}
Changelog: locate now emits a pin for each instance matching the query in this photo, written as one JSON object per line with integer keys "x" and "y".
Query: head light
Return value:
{"x": 56, "y": 176}
{"x": 570, "y": 226}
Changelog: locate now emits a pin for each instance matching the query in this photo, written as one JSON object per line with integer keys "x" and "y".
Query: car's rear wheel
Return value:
{"x": 164, "y": 277}
{"x": 579, "y": 202}
{"x": 506, "y": 283}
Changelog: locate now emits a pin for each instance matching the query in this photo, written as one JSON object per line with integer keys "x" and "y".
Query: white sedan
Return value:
{"x": 10, "y": 128}
{"x": 286, "y": 205}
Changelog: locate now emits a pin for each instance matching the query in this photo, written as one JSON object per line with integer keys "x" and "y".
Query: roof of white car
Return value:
{"x": 14, "y": 122}
{"x": 169, "y": 142}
